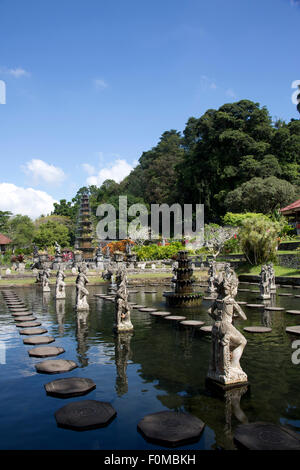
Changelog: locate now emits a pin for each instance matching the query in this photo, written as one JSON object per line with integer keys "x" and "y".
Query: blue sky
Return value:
{"x": 92, "y": 84}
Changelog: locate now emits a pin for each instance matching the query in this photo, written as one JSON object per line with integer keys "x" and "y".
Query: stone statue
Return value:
{"x": 264, "y": 284}
{"x": 39, "y": 277}
{"x": 60, "y": 292}
{"x": 107, "y": 252}
{"x": 271, "y": 272}
{"x": 81, "y": 291}
{"x": 57, "y": 249}
{"x": 122, "y": 310}
{"x": 108, "y": 273}
{"x": 227, "y": 342}
{"x": 128, "y": 248}
{"x": 45, "y": 275}
{"x": 35, "y": 251}
{"x": 211, "y": 277}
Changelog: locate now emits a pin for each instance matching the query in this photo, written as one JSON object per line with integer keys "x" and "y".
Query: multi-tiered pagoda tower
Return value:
{"x": 184, "y": 295}
{"x": 84, "y": 230}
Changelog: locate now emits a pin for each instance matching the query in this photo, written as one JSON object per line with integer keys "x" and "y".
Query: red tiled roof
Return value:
{"x": 294, "y": 205}
{"x": 4, "y": 240}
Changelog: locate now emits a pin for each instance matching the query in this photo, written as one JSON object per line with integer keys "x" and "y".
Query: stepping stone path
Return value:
{"x": 20, "y": 314}
{"x": 255, "y": 305}
{"x": 296, "y": 295}
{"x": 133, "y": 291}
{"x": 244, "y": 290}
{"x": 85, "y": 414}
{"x": 276, "y": 309}
{"x": 20, "y": 318}
{"x": 38, "y": 340}
{"x": 55, "y": 366}
{"x": 293, "y": 312}
{"x": 257, "y": 329}
{"x": 293, "y": 329}
{"x": 150, "y": 291}
{"x": 25, "y": 324}
{"x": 209, "y": 298}
{"x": 206, "y": 329}
{"x": 45, "y": 351}
{"x": 192, "y": 323}
{"x": 71, "y": 387}
{"x": 266, "y": 436}
{"x": 33, "y": 331}
{"x": 171, "y": 428}
{"x": 175, "y": 318}
{"x": 242, "y": 303}
{"x": 160, "y": 314}
{"x": 286, "y": 295}
{"x": 148, "y": 309}
{"x": 138, "y": 306}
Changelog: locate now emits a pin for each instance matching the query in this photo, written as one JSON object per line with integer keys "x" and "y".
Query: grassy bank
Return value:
{"x": 247, "y": 268}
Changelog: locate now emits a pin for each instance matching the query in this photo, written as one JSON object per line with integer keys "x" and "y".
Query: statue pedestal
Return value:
{"x": 45, "y": 288}
{"x": 60, "y": 295}
{"x": 124, "y": 326}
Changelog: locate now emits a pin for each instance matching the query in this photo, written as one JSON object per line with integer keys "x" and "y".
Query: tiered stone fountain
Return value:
{"x": 184, "y": 295}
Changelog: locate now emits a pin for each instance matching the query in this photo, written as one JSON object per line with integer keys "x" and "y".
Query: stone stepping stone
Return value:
{"x": 85, "y": 414}
{"x": 286, "y": 285}
{"x": 55, "y": 366}
{"x": 297, "y": 296}
{"x": 275, "y": 309}
{"x": 257, "y": 329}
{"x": 28, "y": 318}
{"x": 160, "y": 314}
{"x": 192, "y": 323}
{"x": 242, "y": 303}
{"x": 266, "y": 436}
{"x": 255, "y": 305}
{"x": 20, "y": 314}
{"x": 206, "y": 329}
{"x": 286, "y": 295}
{"x": 150, "y": 291}
{"x": 45, "y": 351}
{"x": 293, "y": 329}
{"x": 255, "y": 291}
{"x": 18, "y": 310}
{"x": 133, "y": 291}
{"x": 175, "y": 318}
{"x": 244, "y": 290}
{"x": 171, "y": 428}
{"x": 29, "y": 324}
{"x": 33, "y": 331}
{"x": 148, "y": 309}
{"x": 209, "y": 298}
{"x": 293, "y": 312}
{"x": 38, "y": 340}
{"x": 71, "y": 387}
{"x": 138, "y": 306}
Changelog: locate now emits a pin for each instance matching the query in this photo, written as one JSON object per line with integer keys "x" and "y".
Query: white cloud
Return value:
{"x": 117, "y": 172}
{"x": 41, "y": 172}
{"x": 25, "y": 201}
{"x": 17, "y": 72}
{"x": 207, "y": 82}
{"x": 89, "y": 169}
{"x": 100, "y": 84}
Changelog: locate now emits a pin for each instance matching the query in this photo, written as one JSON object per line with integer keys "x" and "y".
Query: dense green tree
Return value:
{"x": 20, "y": 229}
{"x": 4, "y": 218}
{"x": 47, "y": 233}
{"x": 261, "y": 195}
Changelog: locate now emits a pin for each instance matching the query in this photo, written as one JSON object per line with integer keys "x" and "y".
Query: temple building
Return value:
{"x": 292, "y": 212}
{"x": 84, "y": 236}
{"x": 4, "y": 242}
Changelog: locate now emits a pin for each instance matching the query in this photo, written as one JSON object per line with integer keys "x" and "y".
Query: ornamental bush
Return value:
{"x": 259, "y": 240}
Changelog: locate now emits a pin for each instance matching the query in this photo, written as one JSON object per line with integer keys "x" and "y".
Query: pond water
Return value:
{"x": 158, "y": 367}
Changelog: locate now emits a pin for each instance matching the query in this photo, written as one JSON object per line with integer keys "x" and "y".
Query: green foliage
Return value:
{"x": 236, "y": 219}
{"x": 260, "y": 194}
{"x": 155, "y": 252}
{"x": 4, "y": 218}
{"x": 47, "y": 233}
{"x": 20, "y": 230}
{"x": 259, "y": 240}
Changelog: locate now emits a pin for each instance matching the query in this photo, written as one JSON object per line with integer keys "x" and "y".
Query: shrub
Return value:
{"x": 259, "y": 240}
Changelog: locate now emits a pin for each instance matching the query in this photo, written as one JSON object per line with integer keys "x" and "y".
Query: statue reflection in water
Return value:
{"x": 122, "y": 356}
{"x": 82, "y": 331}
{"x": 60, "y": 308}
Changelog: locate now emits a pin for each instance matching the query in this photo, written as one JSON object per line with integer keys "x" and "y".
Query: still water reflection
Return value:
{"x": 157, "y": 367}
